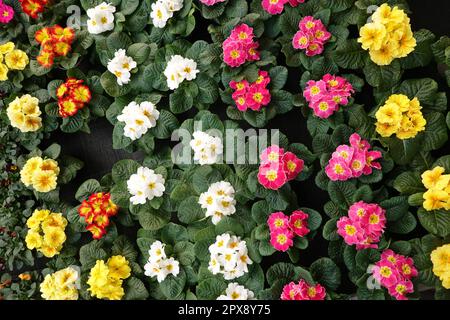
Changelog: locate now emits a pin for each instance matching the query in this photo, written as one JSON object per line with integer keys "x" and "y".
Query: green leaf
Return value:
{"x": 409, "y": 183}
{"x": 228, "y": 224}
{"x": 151, "y": 219}
{"x": 208, "y": 91}
{"x": 436, "y": 222}
{"x": 423, "y": 89}
{"x": 435, "y": 131}
{"x": 341, "y": 192}
{"x": 87, "y": 188}
{"x": 139, "y": 52}
{"x": 403, "y": 226}
{"x": 135, "y": 289}
{"x": 180, "y": 101}
{"x": 210, "y": 289}
{"x": 185, "y": 253}
{"x": 172, "y": 286}
{"x": 396, "y": 207}
{"x": 190, "y": 210}
{"x": 123, "y": 169}
{"x": 72, "y": 124}
{"x": 326, "y": 272}
{"x": 349, "y": 55}
{"x": 278, "y": 77}
{"x": 382, "y": 76}
{"x": 90, "y": 253}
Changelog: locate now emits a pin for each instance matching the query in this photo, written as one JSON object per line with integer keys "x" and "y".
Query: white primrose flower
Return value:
{"x": 145, "y": 185}
{"x": 174, "y": 5}
{"x": 235, "y": 291}
{"x": 207, "y": 149}
{"x": 160, "y": 14}
{"x": 138, "y": 118}
{"x": 179, "y": 69}
{"x": 163, "y": 10}
{"x": 156, "y": 251}
{"x": 226, "y": 257}
{"x": 121, "y": 65}
{"x": 158, "y": 265}
{"x": 218, "y": 201}
{"x": 101, "y": 18}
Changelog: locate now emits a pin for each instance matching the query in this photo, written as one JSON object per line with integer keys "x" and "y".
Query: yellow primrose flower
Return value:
{"x": 105, "y": 280}
{"x": 440, "y": 257}
{"x": 433, "y": 179}
{"x": 54, "y": 237}
{"x": 23, "y": 113}
{"x": 435, "y": 200}
{"x": 44, "y": 181}
{"x": 389, "y": 113}
{"x": 118, "y": 267}
{"x": 388, "y": 36}
{"x": 60, "y": 285}
{"x": 372, "y": 36}
{"x": 33, "y": 240}
{"x": 41, "y": 215}
{"x": 54, "y": 220}
{"x": 384, "y": 56}
{"x": 3, "y": 72}
{"x": 16, "y": 60}
{"x": 50, "y": 165}
{"x": 27, "y": 171}
{"x": 400, "y": 116}
{"x": 6, "y": 48}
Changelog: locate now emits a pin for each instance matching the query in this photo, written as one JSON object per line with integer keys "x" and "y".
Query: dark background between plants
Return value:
{"x": 96, "y": 150}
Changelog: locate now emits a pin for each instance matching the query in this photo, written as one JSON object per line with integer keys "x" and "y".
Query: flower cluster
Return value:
{"x": 97, "y": 211}
{"x": 253, "y": 95}
{"x": 46, "y": 232}
{"x": 207, "y": 149}
{"x": 239, "y": 47}
{"x": 179, "y": 69}
{"x": 40, "y": 174}
{"x": 218, "y": 201}
{"x": 145, "y": 185}
{"x": 14, "y": 59}
{"x": 326, "y": 95}
{"x": 211, "y": 2}
{"x": 72, "y": 96}
{"x": 352, "y": 161}
{"x": 121, "y": 66}
{"x": 55, "y": 41}
{"x": 138, "y": 118}
{"x": 60, "y": 285}
{"x": 158, "y": 265}
{"x": 283, "y": 228}
{"x": 101, "y": 18}
{"x": 277, "y": 6}
{"x": 229, "y": 256}
{"x": 278, "y": 167}
{"x": 437, "y": 195}
{"x": 6, "y": 13}
{"x": 235, "y": 291}
{"x": 163, "y": 10}
{"x": 33, "y": 7}
{"x": 311, "y": 36}
{"x": 105, "y": 279}
{"x": 440, "y": 257}
{"x": 394, "y": 272}
{"x": 24, "y": 113}
{"x": 388, "y": 36}
{"x": 363, "y": 226}
{"x": 400, "y": 116}
{"x": 303, "y": 291}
